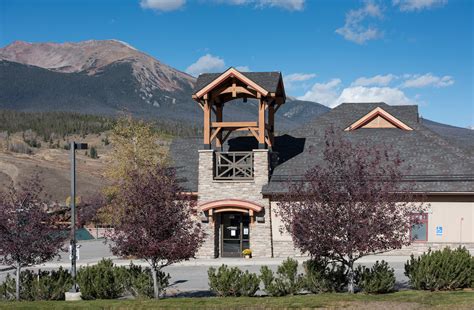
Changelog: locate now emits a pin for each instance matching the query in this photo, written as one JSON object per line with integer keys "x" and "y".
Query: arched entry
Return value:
{"x": 233, "y": 218}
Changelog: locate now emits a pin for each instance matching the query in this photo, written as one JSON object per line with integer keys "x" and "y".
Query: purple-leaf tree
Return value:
{"x": 157, "y": 223}
{"x": 28, "y": 235}
{"x": 356, "y": 204}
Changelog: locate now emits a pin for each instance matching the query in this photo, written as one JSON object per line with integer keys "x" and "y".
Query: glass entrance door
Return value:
{"x": 235, "y": 232}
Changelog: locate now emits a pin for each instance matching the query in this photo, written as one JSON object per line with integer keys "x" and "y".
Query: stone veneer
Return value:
{"x": 211, "y": 190}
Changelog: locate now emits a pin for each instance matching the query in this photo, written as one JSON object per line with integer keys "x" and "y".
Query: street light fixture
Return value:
{"x": 73, "y": 147}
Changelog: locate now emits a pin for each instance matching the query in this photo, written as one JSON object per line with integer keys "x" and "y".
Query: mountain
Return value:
{"x": 104, "y": 77}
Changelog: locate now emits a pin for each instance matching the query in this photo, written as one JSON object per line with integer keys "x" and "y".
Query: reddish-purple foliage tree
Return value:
{"x": 28, "y": 235}
{"x": 354, "y": 205}
{"x": 157, "y": 223}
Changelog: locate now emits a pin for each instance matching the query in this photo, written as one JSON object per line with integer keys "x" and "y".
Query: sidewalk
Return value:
{"x": 208, "y": 262}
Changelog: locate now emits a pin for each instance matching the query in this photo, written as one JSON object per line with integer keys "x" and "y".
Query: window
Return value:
{"x": 419, "y": 230}
{"x": 233, "y": 166}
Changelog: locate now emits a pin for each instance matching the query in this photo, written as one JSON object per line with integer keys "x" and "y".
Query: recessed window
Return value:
{"x": 419, "y": 229}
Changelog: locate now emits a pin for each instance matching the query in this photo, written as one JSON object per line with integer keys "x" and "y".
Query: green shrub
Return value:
{"x": 379, "y": 279}
{"x": 227, "y": 281}
{"x": 7, "y": 288}
{"x": 287, "y": 280}
{"x": 445, "y": 269}
{"x": 42, "y": 285}
{"x": 138, "y": 281}
{"x": 323, "y": 276}
{"x": 101, "y": 281}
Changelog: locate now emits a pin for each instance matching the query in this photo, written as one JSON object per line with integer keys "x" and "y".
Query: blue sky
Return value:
{"x": 400, "y": 51}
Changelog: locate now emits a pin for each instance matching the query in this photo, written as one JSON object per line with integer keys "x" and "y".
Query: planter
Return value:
{"x": 247, "y": 256}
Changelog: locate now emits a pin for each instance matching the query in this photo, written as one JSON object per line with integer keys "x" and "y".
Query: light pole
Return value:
{"x": 73, "y": 147}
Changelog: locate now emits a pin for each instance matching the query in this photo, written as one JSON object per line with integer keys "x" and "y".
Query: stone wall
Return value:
{"x": 211, "y": 190}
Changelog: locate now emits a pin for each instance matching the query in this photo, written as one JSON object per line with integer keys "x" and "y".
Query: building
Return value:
{"x": 236, "y": 181}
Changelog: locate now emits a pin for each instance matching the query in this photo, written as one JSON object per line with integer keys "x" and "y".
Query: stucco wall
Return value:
{"x": 211, "y": 190}
{"x": 447, "y": 214}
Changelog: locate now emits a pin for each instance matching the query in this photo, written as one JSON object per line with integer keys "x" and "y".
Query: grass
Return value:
{"x": 398, "y": 300}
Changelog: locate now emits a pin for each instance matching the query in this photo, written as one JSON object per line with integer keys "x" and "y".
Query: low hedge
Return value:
{"x": 445, "y": 269}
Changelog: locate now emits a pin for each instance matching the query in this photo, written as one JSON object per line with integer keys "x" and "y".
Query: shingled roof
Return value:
{"x": 437, "y": 164}
{"x": 268, "y": 80}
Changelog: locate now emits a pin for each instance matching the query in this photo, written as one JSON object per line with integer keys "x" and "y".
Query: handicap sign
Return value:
{"x": 439, "y": 230}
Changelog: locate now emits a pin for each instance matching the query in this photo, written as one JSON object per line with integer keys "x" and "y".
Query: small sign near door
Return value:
{"x": 246, "y": 231}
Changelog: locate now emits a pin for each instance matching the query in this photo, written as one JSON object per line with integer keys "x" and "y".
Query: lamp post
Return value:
{"x": 73, "y": 147}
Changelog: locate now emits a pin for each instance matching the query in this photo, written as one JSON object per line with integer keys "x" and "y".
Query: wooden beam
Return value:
{"x": 219, "y": 109}
{"x": 207, "y": 123}
{"x": 233, "y": 124}
{"x": 234, "y": 91}
{"x": 214, "y": 134}
{"x": 261, "y": 123}
{"x": 254, "y": 132}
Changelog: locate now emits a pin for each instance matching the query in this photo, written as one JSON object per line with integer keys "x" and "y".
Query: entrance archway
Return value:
{"x": 233, "y": 218}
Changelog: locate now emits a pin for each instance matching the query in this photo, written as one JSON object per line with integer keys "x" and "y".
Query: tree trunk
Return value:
{"x": 17, "y": 291}
{"x": 350, "y": 285}
{"x": 156, "y": 289}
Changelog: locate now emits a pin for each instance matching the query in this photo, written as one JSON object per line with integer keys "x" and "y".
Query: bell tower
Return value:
{"x": 213, "y": 91}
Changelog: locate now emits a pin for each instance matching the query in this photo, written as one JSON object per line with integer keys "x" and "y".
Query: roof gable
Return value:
{"x": 378, "y": 118}
{"x": 268, "y": 82}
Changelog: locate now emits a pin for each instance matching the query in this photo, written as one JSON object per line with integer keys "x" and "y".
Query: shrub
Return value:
{"x": 323, "y": 276}
{"x": 445, "y": 269}
{"x": 227, "y": 281}
{"x": 138, "y": 281}
{"x": 287, "y": 281}
{"x": 43, "y": 285}
{"x": 101, "y": 281}
{"x": 379, "y": 279}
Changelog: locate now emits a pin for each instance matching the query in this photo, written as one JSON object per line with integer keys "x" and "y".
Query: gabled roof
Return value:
{"x": 269, "y": 81}
{"x": 376, "y": 114}
{"x": 436, "y": 164}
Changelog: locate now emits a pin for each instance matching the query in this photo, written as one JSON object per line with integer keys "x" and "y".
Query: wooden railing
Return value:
{"x": 233, "y": 166}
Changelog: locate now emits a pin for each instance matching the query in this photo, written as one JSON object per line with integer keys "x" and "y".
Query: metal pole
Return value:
{"x": 74, "y": 288}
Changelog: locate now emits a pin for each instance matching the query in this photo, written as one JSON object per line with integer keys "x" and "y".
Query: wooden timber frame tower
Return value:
{"x": 213, "y": 91}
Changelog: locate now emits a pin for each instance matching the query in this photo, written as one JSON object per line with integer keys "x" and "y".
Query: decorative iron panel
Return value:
{"x": 233, "y": 166}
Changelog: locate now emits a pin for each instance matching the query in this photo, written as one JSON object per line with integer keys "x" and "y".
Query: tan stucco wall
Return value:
{"x": 456, "y": 219}
{"x": 446, "y": 213}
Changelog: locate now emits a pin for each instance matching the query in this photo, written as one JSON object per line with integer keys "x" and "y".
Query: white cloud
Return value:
{"x": 243, "y": 68}
{"x": 297, "y": 80}
{"x": 378, "y": 80}
{"x": 162, "y": 5}
{"x": 206, "y": 63}
{"x": 330, "y": 94}
{"x": 428, "y": 79}
{"x": 290, "y": 5}
{"x": 299, "y": 77}
{"x": 418, "y": 5}
{"x": 354, "y": 31}
{"x": 324, "y": 93}
{"x": 389, "y": 95}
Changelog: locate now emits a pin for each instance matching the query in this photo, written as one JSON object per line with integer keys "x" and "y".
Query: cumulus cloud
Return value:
{"x": 162, "y": 5}
{"x": 419, "y": 81}
{"x": 290, "y": 5}
{"x": 389, "y": 95}
{"x": 297, "y": 80}
{"x": 206, "y": 63}
{"x": 331, "y": 95}
{"x": 378, "y": 80}
{"x": 324, "y": 93}
{"x": 354, "y": 30}
{"x": 418, "y": 5}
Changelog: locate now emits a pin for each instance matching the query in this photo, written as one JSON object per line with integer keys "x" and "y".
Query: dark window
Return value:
{"x": 419, "y": 229}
